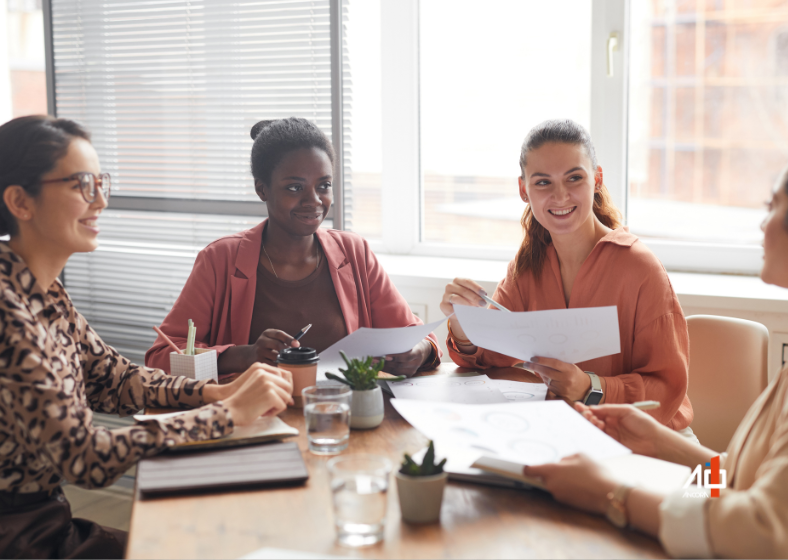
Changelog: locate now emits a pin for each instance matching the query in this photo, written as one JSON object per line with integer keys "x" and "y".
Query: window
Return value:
{"x": 485, "y": 82}
{"x": 23, "y": 51}
{"x": 708, "y": 128}
{"x": 169, "y": 90}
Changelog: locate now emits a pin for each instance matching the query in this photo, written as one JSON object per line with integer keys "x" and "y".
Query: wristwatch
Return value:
{"x": 595, "y": 394}
{"x": 617, "y": 512}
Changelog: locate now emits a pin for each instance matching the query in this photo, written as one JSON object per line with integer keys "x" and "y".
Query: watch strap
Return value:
{"x": 595, "y": 394}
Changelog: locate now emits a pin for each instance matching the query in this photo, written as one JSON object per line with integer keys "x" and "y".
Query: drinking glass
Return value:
{"x": 327, "y": 412}
{"x": 359, "y": 484}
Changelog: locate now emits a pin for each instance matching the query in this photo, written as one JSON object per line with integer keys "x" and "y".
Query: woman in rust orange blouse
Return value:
{"x": 575, "y": 253}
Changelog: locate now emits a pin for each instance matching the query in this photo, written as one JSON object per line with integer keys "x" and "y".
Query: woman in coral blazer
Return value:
{"x": 575, "y": 253}
{"x": 250, "y": 292}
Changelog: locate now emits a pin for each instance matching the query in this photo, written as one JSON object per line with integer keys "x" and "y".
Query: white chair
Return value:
{"x": 727, "y": 371}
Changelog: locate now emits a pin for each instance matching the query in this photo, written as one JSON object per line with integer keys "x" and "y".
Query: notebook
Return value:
{"x": 253, "y": 465}
{"x": 264, "y": 429}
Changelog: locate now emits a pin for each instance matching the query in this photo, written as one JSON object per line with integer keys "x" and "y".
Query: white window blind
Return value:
{"x": 169, "y": 90}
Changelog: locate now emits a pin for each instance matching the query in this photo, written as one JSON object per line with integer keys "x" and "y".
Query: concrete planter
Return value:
{"x": 366, "y": 409}
{"x": 420, "y": 497}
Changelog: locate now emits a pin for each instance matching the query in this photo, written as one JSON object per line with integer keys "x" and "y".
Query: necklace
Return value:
{"x": 317, "y": 256}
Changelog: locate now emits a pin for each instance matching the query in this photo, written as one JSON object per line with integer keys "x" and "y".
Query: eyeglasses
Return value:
{"x": 87, "y": 184}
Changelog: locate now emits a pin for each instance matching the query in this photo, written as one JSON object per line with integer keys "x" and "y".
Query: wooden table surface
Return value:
{"x": 477, "y": 521}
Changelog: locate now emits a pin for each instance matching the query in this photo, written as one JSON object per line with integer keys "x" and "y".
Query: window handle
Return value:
{"x": 612, "y": 46}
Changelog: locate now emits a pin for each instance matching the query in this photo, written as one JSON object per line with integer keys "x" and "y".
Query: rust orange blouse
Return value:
{"x": 620, "y": 271}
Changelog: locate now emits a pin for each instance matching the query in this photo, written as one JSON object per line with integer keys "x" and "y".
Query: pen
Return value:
{"x": 167, "y": 340}
{"x": 493, "y": 302}
{"x": 646, "y": 405}
{"x": 302, "y": 332}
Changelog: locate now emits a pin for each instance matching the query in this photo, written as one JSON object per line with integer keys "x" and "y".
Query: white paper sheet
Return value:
{"x": 517, "y": 391}
{"x": 478, "y": 389}
{"x": 569, "y": 335}
{"x": 372, "y": 342}
{"x": 528, "y": 433}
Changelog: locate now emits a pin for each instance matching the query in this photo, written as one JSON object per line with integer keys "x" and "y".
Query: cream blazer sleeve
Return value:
{"x": 750, "y": 518}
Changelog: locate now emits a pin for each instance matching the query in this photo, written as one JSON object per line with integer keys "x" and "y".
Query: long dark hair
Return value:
{"x": 533, "y": 250}
{"x": 30, "y": 147}
{"x": 274, "y": 139}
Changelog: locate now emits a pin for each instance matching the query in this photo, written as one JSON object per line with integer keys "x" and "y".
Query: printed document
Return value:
{"x": 569, "y": 335}
{"x": 372, "y": 342}
{"x": 526, "y": 433}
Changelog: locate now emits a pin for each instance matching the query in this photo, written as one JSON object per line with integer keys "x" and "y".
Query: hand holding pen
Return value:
{"x": 272, "y": 341}
{"x": 462, "y": 291}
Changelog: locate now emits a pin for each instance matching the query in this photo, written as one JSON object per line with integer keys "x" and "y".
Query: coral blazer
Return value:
{"x": 620, "y": 271}
{"x": 219, "y": 294}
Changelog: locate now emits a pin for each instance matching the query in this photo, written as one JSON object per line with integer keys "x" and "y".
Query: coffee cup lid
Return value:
{"x": 300, "y": 355}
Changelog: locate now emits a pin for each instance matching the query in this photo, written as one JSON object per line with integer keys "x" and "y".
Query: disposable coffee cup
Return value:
{"x": 302, "y": 363}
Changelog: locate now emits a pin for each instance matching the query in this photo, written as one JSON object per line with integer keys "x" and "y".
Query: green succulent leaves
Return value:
{"x": 427, "y": 468}
{"x": 361, "y": 375}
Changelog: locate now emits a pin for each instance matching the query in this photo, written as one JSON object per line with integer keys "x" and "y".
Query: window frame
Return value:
{"x": 402, "y": 199}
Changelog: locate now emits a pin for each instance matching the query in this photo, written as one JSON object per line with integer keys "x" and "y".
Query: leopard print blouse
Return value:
{"x": 55, "y": 371}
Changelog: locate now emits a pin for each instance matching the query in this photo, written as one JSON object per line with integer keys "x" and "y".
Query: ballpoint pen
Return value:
{"x": 493, "y": 302}
{"x": 302, "y": 332}
{"x": 646, "y": 405}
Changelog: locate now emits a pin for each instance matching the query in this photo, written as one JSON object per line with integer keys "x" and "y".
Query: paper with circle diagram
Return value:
{"x": 528, "y": 433}
{"x": 476, "y": 389}
{"x": 569, "y": 335}
{"x": 372, "y": 342}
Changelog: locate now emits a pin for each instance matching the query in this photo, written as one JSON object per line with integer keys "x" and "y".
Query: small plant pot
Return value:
{"x": 420, "y": 497}
{"x": 366, "y": 409}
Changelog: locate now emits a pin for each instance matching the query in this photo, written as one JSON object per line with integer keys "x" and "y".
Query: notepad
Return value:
{"x": 254, "y": 465}
{"x": 264, "y": 429}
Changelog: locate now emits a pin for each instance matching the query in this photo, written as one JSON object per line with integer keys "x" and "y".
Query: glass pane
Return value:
{"x": 489, "y": 74}
{"x": 363, "y": 156}
{"x": 708, "y": 117}
{"x": 27, "y": 94}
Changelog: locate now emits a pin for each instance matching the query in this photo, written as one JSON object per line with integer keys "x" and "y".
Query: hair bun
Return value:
{"x": 257, "y": 128}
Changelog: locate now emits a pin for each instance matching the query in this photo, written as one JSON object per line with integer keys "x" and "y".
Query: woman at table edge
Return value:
{"x": 55, "y": 370}
{"x": 250, "y": 292}
{"x": 749, "y": 519}
{"x": 574, "y": 254}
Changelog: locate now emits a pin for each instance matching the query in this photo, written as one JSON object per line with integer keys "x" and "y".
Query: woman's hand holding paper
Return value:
{"x": 629, "y": 426}
{"x": 461, "y": 291}
{"x": 565, "y": 380}
{"x": 576, "y": 480}
{"x": 408, "y": 363}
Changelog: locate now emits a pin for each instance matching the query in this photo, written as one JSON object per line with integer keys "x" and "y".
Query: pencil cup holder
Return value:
{"x": 198, "y": 367}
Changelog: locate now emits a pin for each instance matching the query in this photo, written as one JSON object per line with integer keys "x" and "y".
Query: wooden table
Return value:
{"x": 476, "y": 521}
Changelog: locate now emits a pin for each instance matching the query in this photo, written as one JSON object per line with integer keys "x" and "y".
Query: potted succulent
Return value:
{"x": 420, "y": 488}
{"x": 366, "y": 408}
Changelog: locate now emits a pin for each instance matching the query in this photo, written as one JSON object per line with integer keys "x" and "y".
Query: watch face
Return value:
{"x": 593, "y": 398}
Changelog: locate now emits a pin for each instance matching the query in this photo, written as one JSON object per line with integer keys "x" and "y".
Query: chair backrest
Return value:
{"x": 728, "y": 370}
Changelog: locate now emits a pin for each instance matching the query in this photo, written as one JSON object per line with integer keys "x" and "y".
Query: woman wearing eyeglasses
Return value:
{"x": 55, "y": 370}
{"x": 749, "y": 519}
{"x": 250, "y": 293}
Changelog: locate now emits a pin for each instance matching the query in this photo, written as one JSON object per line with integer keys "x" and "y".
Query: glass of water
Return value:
{"x": 359, "y": 484}
{"x": 327, "y": 412}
